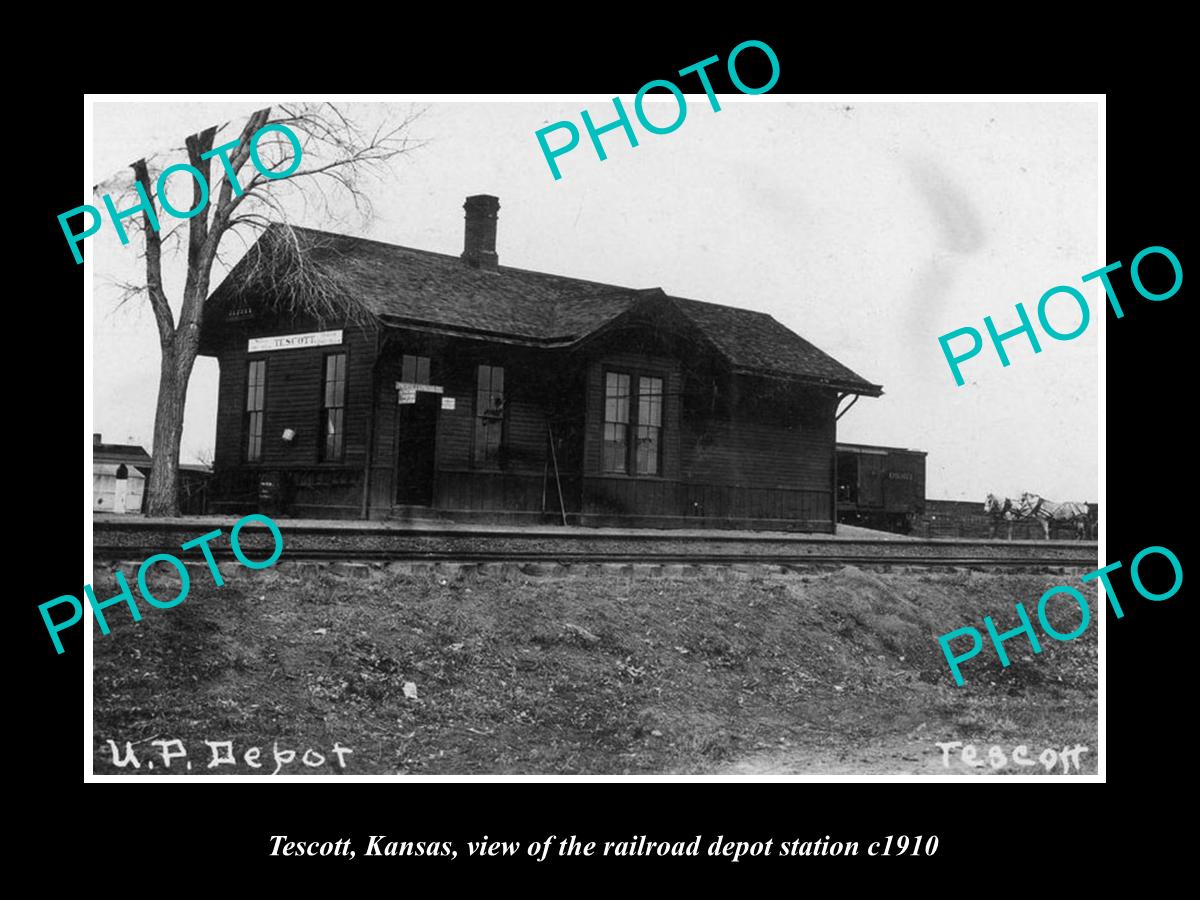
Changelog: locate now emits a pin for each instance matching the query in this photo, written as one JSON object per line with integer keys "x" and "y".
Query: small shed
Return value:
{"x": 119, "y": 474}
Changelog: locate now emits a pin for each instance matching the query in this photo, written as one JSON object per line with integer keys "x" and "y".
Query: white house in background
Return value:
{"x": 119, "y": 473}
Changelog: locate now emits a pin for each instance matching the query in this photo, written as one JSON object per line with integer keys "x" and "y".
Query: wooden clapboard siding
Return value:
{"x": 382, "y": 491}
{"x": 293, "y": 397}
{"x": 531, "y": 388}
{"x": 468, "y": 489}
{"x": 231, "y": 399}
{"x": 699, "y": 503}
{"x": 759, "y": 455}
{"x": 736, "y": 450}
{"x": 788, "y": 445}
{"x": 742, "y": 458}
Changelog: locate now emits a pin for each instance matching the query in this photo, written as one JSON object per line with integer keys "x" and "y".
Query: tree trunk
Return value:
{"x": 178, "y": 357}
{"x": 162, "y": 496}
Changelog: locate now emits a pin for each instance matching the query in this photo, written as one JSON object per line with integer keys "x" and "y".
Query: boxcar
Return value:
{"x": 880, "y": 487}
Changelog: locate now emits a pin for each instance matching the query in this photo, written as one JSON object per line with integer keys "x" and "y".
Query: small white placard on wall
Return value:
{"x": 447, "y": 403}
{"x": 408, "y": 395}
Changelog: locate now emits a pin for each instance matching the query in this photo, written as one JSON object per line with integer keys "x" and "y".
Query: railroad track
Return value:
{"x": 811, "y": 558}
{"x": 653, "y": 559}
{"x": 136, "y": 539}
{"x": 705, "y": 559}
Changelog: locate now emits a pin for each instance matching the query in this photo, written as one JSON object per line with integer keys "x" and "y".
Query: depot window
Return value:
{"x": 333, "y": 408}
{"x": 633, "y": 408}
{"x": 489, "y": 415}
{"x": 256, "y": 395}
{"x": 414, "y": 369}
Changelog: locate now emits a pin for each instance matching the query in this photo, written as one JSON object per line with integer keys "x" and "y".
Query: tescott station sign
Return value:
{"x": 294, "y": 341}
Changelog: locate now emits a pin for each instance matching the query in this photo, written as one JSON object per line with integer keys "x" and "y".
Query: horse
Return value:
{"x": 1000, "y": 511}
{"x": 1032, "y": 506}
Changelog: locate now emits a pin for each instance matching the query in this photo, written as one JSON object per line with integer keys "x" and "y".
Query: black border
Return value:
{"x": 1150, "y": 493}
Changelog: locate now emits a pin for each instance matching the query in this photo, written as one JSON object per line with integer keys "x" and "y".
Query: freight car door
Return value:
{"x": 870, "y": 480}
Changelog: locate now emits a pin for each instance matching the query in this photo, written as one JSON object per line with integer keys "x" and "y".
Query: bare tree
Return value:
{"x": 335, "y": 155}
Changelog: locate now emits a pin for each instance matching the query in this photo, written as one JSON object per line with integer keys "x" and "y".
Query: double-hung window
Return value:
{"x": 616, "y": 422}
{"x": 333, "y": 408}
{"x": 414, "y": 369}
{"x": 256, "y": 395}
{"x": 489, "y": 415}
{"x": 633, "y": 407}
{"x": 649, "y": 425}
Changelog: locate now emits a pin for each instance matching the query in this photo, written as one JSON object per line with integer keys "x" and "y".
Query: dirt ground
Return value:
{"x": 603, "y": 671}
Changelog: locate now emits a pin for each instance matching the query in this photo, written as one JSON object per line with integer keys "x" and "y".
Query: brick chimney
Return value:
{"x": 479, "y": 242}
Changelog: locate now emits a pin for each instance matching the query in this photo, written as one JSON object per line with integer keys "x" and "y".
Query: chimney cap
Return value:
{"x": 482, "y": 201}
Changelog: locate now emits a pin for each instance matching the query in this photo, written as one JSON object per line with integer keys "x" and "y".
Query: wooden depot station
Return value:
{"x": 469, "y": 390}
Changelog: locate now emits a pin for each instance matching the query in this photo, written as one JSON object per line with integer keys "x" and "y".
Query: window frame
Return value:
{"x": 247, "y": 412}
{"x": 635, "y": 376}
{"x": 417, "y": 357}
{"x": 661, "y": 426}
{"x": 627, "y": 471}
{"x": 323, "y": 410}
{"x": 499, "y": 463}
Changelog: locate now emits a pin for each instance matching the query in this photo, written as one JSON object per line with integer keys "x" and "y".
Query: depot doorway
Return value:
{"x": 415, "y": 445}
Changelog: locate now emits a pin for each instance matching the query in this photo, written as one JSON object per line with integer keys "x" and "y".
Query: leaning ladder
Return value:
{"x": 557, "y": 480}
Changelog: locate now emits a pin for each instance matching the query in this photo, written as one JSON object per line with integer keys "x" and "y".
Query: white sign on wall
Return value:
{"x": 415, "y": 386}
{"x": 408, "y": 391}
{"x": 447, "y": 403}
{"x": 294, "y": 341}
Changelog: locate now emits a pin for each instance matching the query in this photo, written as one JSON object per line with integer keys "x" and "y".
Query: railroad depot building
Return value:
{"x": 469, "y": 390}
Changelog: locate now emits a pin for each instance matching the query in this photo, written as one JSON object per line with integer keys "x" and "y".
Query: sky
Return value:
{"x": 868, "y": 228}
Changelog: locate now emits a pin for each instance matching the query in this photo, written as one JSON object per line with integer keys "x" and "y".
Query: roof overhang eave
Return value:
{"x": 864, "y": 388}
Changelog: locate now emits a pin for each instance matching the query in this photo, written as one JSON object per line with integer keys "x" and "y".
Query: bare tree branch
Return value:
{"x": 291, "y": 270}
{"x": 154, "y": 282}
{"x": 226, "y": 202}
{"x": 288, "y": 270}
{"x": 128, "y": 291}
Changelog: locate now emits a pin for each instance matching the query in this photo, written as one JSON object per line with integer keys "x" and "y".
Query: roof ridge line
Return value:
{"x": 452, "y": 256}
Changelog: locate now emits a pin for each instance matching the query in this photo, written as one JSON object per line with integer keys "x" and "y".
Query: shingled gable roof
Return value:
{"x": 403, "y": 286}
